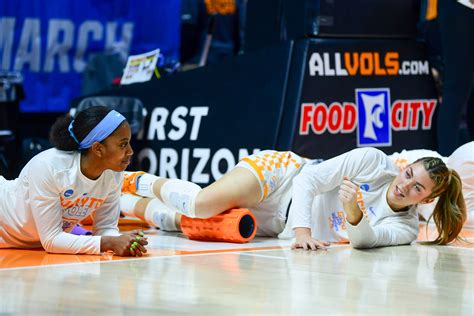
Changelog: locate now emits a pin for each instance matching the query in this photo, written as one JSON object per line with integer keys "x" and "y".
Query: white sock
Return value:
{"x": 127, "y": 204}
{"x": 180, "y": 195}
{"x": 160, "y": 215}
{"x": 145, "y": 185}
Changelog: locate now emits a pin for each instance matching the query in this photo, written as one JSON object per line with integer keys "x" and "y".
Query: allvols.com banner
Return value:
{"x": 51, "y": 42}
{"x": 364, "y": 93}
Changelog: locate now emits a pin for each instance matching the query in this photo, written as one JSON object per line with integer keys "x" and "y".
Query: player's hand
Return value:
{"x": 348, "y": 196}
{"x": 305, "y": 241}
{"x": 138, "y": 243}
{"x": 130, "y": 244}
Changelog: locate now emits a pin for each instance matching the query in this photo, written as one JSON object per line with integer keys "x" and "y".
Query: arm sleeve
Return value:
{"x": 46, "y": 209}
{"x": 105, "y": 219}
{"x": 391, "y": 232}
{"x": 364, "y": 163}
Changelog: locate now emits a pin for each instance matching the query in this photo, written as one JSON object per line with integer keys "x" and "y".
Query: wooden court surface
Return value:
{"x": 263, "y": 277}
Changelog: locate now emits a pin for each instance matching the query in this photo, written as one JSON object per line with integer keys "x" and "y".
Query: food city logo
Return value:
{"x": 373, "y": 115}
{"x": 364, "y": 64}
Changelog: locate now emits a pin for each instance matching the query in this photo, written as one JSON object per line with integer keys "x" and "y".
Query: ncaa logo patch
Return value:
{"x": 373, "y": 108}
{"x": 68, "y": 193}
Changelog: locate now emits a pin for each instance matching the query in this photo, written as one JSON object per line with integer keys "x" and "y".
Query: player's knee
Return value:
{"x": 181, "y": 195}
{"x": 204, "y": 205}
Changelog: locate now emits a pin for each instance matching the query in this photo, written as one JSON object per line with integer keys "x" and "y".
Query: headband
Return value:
{"x": 101, "y": 131}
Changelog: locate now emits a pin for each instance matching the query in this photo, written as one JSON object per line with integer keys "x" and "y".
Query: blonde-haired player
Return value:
{"x": 360, "y": 196}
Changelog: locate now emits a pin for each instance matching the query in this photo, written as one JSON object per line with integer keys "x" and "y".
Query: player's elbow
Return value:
{"x": 48, "y": 245}
{"x": 362, "y": 244}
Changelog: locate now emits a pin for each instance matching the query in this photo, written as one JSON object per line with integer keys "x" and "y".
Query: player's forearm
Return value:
{"x": 353, "y": 215}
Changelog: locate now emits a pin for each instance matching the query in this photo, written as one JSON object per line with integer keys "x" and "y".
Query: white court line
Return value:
{"x": 138, "y": 259}
{"x": 237, "y": 251}
{"x": 263, "y": 256}
{"x": 211, "y": 252}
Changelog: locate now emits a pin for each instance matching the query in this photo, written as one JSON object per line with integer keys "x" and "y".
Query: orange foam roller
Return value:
{"x": 237, "y": 225}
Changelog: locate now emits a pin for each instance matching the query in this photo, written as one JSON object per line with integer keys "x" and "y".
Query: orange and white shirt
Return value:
{"x": 316, "y": 204}
{"x": 50, "y": 197}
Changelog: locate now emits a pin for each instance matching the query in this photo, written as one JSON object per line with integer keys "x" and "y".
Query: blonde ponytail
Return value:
{"x": 450, "y": 212}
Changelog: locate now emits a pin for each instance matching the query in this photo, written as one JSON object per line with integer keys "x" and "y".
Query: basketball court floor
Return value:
{"x": 263, "y": 277}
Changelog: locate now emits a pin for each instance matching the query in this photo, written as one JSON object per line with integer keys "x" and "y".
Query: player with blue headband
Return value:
{"x": 81, "y": 176}
{"x": 105, "y": 127}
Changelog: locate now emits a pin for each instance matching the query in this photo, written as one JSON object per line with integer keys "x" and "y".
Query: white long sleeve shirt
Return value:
{"x": 50, "y": 197}
{"x": 316, "y": 204}
{"x": 462, "y": 160}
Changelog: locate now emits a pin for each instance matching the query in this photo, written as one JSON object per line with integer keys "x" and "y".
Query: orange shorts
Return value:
{"x": 272, "y": 168}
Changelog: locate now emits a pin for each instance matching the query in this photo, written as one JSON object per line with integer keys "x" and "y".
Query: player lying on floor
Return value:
{"x": 360, "y": 196}
{"x": 59, "y": 187}
{"x": 461, "y": 160}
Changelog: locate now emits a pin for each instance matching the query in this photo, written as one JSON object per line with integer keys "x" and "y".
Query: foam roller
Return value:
{"x": 237, "y": 225}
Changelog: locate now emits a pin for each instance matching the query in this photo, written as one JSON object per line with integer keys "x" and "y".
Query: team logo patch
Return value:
{"x": 68, "y": 193}
{"x": 337, "y": 221}
{"x": 365, "y": 187}
{"x": 373, "y": 107}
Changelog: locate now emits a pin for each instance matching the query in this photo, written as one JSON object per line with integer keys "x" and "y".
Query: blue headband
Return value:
{"x": 101, "y": 131}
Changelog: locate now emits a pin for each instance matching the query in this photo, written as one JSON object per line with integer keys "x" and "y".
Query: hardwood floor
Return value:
{"x": 260, "y": 278}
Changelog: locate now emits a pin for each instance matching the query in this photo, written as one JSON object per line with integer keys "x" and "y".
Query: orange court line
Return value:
{"x": 19, "y": 258}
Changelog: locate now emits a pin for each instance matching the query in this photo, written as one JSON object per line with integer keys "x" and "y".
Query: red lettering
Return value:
{"x": 395, "y": 117}
{"x": 335, "y": 118}
{"x": 400, "y": 115}
{"x": 342, "y": 118}
{"x": 319, "y": 118}
{"x": 350, "y": 116}
{"x": 406, "y": 114}
{"x": 414, "y": 109}
{"x": 428, "y": 111}
{"x": 306, "y": 109}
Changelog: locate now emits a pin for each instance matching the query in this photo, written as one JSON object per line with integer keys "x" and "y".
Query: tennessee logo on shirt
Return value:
{"x": 83, "y": 201}
{"x": 337, "y": 221}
